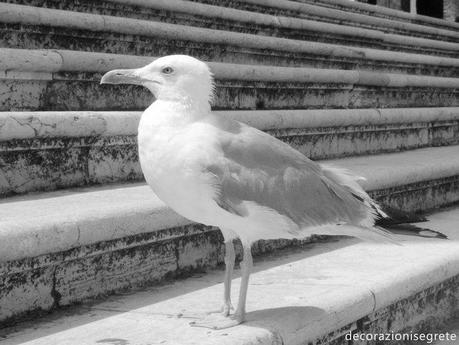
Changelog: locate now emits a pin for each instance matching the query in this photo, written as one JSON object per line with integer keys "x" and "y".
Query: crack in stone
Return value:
{"x": 374, "y": 299}
{"x": 78, "y": 235}
{"x": 26, "y": 124}
{"x": 54, "y": 293}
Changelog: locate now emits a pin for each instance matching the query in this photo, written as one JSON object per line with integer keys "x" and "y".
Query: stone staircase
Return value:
{"x": 371, "y": 89}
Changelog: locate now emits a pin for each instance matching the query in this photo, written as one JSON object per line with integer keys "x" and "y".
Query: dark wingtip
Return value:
{"x": 432, "y": 234}
{"x": 413, "y": 230}
{"x": 398, "y": 221}
{"x": 395, "y": 216}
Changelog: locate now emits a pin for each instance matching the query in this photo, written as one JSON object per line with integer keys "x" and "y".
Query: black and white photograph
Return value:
{"x": 229, "y": 172}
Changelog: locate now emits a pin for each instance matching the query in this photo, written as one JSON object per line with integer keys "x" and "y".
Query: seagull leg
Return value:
{"x": 230, "y": 256}
{"x": 246, "y": 268}
{"x": 225, "y": 309}
{"x": 222, "y": 321}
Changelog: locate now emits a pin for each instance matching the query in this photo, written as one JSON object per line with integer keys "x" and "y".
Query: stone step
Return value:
{"x": 36, "y": 34}
{"x": 54, "y": 150}
{"x": 384, "y": 12}
{"x": 330, "y": 15}
{"x": 77, "y": 244}
{"x": 321, "y": 293}
{"x": 69, "y": 80}
{"x": 56, "y": 29}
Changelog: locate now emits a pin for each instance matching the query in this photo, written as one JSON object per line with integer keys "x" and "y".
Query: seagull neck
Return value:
{"x": 187, "y": 108}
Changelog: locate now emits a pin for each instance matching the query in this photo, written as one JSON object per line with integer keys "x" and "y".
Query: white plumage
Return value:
{"x": 223, "y": 173}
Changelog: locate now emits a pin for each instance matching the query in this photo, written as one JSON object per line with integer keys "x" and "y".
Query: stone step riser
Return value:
{"x": 244, "y": 22}
{"x": 49, "y": 164}
{"x": 329, "y": 15}
{"x": 86, "y": 32}
{"x": 78, "y": 92}
{"x": 48, "y": 281}
{"x": 39, "y": 164}
{"x": 196, "y": 12}
{"x": 123, "y": 237}
{"x": 44, "y": 38}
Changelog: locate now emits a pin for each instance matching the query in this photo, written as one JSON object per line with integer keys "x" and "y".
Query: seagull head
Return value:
{"x": 175, "y": 78}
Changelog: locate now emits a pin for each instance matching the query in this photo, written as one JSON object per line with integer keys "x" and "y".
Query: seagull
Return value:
{"x": 223, "y": 173}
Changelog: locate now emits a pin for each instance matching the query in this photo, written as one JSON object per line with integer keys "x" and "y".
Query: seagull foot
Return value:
{"x": 218, "y": 321}
{"x": 223, "y": 311}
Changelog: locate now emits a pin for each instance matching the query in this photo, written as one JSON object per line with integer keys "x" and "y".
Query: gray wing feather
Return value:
{"x": 259, "y": 168}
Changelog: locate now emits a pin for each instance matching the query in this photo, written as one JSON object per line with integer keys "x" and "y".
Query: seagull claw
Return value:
{"x": 226, "y": 308}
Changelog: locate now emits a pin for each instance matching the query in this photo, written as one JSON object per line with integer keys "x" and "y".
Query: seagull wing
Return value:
{"x": 257, "y": 168}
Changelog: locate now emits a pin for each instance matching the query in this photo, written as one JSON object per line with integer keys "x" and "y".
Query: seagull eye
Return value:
{"x": 167, "y": 70}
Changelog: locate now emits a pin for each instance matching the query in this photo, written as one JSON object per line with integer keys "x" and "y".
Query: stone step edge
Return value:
{"x": 58, "y": 221}
{"x": 343, "y": 16}
{"x": 385, "y": 12}
{"x": 192, "y": 7}
{"x": 15, "y": 14}
{"x": 42, "y": 63}
{"x": 48, "y": 124}
{"x": 304, "y": 298}
{"x": 236, "y": 15}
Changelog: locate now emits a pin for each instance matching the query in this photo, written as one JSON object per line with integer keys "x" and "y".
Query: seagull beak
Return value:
{"x": 122, "y": 76}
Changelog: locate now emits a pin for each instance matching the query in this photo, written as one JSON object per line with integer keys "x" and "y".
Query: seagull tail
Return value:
{"x": 399, "y": 222}
{"x": 382, "y": 223}
{"x": 350, "y": 181}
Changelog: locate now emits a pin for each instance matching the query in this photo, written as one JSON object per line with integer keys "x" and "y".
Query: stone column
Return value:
{"x": 413, "y": 8}
{"x": 450, "y": 10}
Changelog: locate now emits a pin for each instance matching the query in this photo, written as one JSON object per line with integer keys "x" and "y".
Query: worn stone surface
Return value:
{"x": 60, "y": 220}
{"x": 73, "y": 93}
{"x": 135, "y": 245}
{"x": 421, "y": 196}
{"x": 212, "y": 17}
{"x": 112, "y": 271}
{"x": 159, "y": 11}
{"x": 424, "y": 312}
{"x": 58, "y": 38}
{"x": 55, "y": 163}
{"x": 329, "y": 15}
{"x": 59, "y": 279}
{"x": 28, "y": 290}
{"x": 295, "y": 297}
{"x": 17, "y": 94}
{"x": 55, "y": 280}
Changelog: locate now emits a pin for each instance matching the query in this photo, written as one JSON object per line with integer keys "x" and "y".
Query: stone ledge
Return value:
{"x": 313, "y": 296}
{"x": 68, "y": 20}
{"x": 237, "y": 86}
{"x": 79, "y": 244}
{"x": 43, "y": 151}
{"x": 303, "y": 10}
{"x": 50, "y": 124}
{"x": 375, "y": 10}
{"x": 85, "y": 216}
{"x": 53, "y": 61}
{"x": 281, "y": 26}
{"x": 287, "y": 22}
